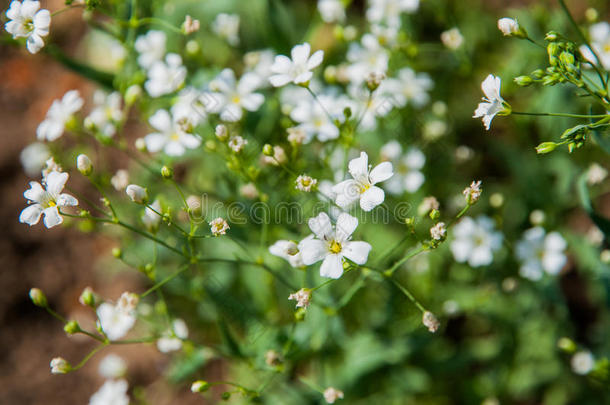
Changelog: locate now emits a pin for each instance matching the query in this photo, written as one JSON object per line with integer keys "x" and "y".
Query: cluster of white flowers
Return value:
{"x": 475, "y": 241}
{"x": 540, "y": 253}
{"x": 27, "y": 20}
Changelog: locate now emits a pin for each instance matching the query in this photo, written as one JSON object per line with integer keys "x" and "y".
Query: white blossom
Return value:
{"x": 331, "y": 394}
{"x": 473, "y": 192}
{"x": 333, "y": 245}
{"x": 305, "y": 183}
{"x": 438, "y": 231}
{"x": 508, "y": 26}
{"x": 59, "y": 365}
{"x": 113, "y": 392}
{"x": 600, "y": 42}
{"x": 582, "y": 362}
{"x": 298, "y": 68}
{"x": 313, "y": 118}
{"x": 259, "y": 63}
{"x": 231, "y": 97}
{"x": 430, "y": 321}
{"x": 408, "y": 88}
{"x": 237, "y": 143}
{"x": 475, "y": 241}
{"x": 115, "y": 320}
{"x": 171, "y": 137}
{"x": 150, "y": 218}
{"x": 408, "y": 176}
{"x": 47, "y": 201}
{"x": 331, "y": 11}
{"x": 389, "y": 11}
{"x": 596, "y": 174}
{"x": 219, "y": 226}
{"x": 112, "y": 366}
{"x": 27, "y": 21}
{"x": 33, "y": 157}
{"x": 226, "y": 26}
{"x": 165, "y": 76}
{"x": 137, "y": 193}
{"x": 107, "y": 113}
{"x": 120, "y": 180}
{"x": 492, "y": 103}
{"x": 151, "y": 48}
{"x": 83, "y": 164}
{"x": 452, "y": 38}
{"x": 365, "y": 58}
{"x": 61, "y": 111}
{"x": 289, "y": 251}
{"x": 539, "y": 253}
{"x": 302, "y": 297}
{"x": 171, "y": 340}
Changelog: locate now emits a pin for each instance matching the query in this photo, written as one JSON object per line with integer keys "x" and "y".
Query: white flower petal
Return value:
{"x": 312, "y": 251}
{"x": 31, "y": 214}
{"x": 345, "y": 226}
{"x": 52, "y": 217}
{"x": 332, "y": 266}
{"x": 357, "y": 252}
{"x": 321, "y": 226}
{"x": 381, "y": 172}
{"x": 371, "y": 198}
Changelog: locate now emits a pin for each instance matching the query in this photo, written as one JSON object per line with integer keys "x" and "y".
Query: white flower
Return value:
{"x": 115, "y": 320}
{"x": 259, "y": 63}
{"x": 408, "y": 176}
{"x": 59, "y": 365}
{"x": 47, "y": 201}
{"x": 151, "y": 48}
{"x": 302, "y": 297}
{"x": 600, "y": 42}
{"x": 172, "y": 339}
{"x": 232, "y": 97}
{"x": 219, "y": 226}
{"x": 508, "y": 26}
{"x": 50, "y": 166}
{"x": 473, "y": 192}
{"x": 112, "y": 366}
{"x": 113, "y": 392}
{"x": 165, "y": 77}
{"x": 59, "y": 114}
{"x": 191, "y": 107}
{"x": 237, "y": 143}
{"x": 366, "y": 58}
{"x": 332, "y": 394}
{"x": 120, "y": 180}
{"x": 430, "y": 321}
{"x": 582, "y": 362}
{"x": 171, "y": 136}
{"x": 408, "y": 88}
{"x": 493, "y": 103}
{"x": 297, "y": 70}
{"x": 452, "y": 38}
{"x": 84, "y": 165}
{"x": 389, "y": 11}
{"x": 107, "y": 113}
{"x": 540, "y": 252}
{"x": 331, "y": 10}
{"x": 596, "y": 174}
{"x": 333, "y": 246}
{"x": 150, "y": 218}
{"x": 288, "y": 250}
{"x": 27, "y": 21}
{"x": 438, "y": 231}
{"x": 475, "y": 241}
{"x": 136, "y": 193}
{"x": 362, "y": 187}
{"x": 190, "y": 25}
{"x": 314, "y": 120}
{"x": 33, "y": 157}
{"x": 305, "y": 183}
{"x": 226, "y": 26}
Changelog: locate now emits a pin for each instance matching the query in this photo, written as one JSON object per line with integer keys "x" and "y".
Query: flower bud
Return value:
{"x": 141, "y": 145}
{"x": 59, "y": 365}
{"x": 510, "y": 27}
{"x": 523, "y": 80}
{"x": 268, "y": 150}
{"x": 132, "y": 94}
{"x": 189, "y": 25}
{"x": 87, "y": 297}
{"x": 222, "y": 133}
{"x": 538, "y": 74}
{"x": 200, "y": 386}
{"x": 71, "y": 327}
{"x": 117, "y": 252}
{"x": 38, "y": 297}
{"x": 136, "y": 193}
{"x": 167, "y": 172}
{"x": 566, "y": 344}
{"x": 430, "y": 321}
{"x": 552, "y": 36}
{"x": 83, "y": 163}
{"x": 546, "y": 147}
{"x": 435, "y": 214}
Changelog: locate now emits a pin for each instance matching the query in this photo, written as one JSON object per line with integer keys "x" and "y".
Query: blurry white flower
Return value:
{"x": 59, "y": 114}
{"x": 385, "y": 35}
{"x": 438, "y": 231}
{"x": 237, "y": 143}
{"x": 259, "y": 63}
{"x": 537, "y": 217}
{"x": 508, "y": 26}
{"x": 582, "y": 362}
{"x": 595, "y": 236}
{"x": 277, "y": 158}
{"x": 362, "y": 185}
{"x": 190, "y": 107}
{"x": 288, "y": 250}
{"x": 113, "y": 392}
{"x": 297, "y": 70}
{"x": 313, "y": 119}
{"x": 596, "y": 174}
{"x": 475, "y": 241}
{"x": 428, "y": 204}
{"x": 540, "y": 252}
{"x": 331, "y": 10}
{"x": 151, "y": 48}
{"x": 333, "y": 245}
{"x": 332, "y": 394}
{"x": 120, "y": 180}
{"x": 27, "y": 21}
{"x": 600, "y": 42}
{"x": 50, "y": 166}
{"x": 137, "y": 193}
{"x": 473, "y": 192}
{"x": 115, "y": 320}
{"x": 365, "y": 58}
{"x": 232, "y": 97}
{"x": 249, "y": 191}
{"x": 33, "y": 158}
{"x": 408, "y": 176}
{"x": 389, "y": 11}
{"x": 172, "y": 339}
{"x": 171, "y": 137}
{"x": 112, "y": 366}
{"x": 493, "y": 103}
{"x": 59, "y": 365}
{"x": 150, "y": 218}
{"x": 296, "y": 135}
{"x": 305, "y": 183}
{"x": 430, "y": 321}
{"x": 106, "y": 114}
{"x": 452, "y": 38}
{"x": 166, "y": 76}
{"x": 219, "y": 226}
{"x": 47, "y": 201}
{"x": 226, "y": 26}
{"x": 84, "y": 165}
{"x": 408, "y": 88}
{"x": 190, "y": 25}
{"x": 302, "y": 297}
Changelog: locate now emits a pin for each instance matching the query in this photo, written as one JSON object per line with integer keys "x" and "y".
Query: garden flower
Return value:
{"x": 237, "y": 143}
{"x": 120, "y": 180}
{"x": 362, "y": 185}
{"x": 107, "y": 113}
{"x": 59, "y": 365}
{"x": 473, "y": 192}
{"x": 452, "y": 38}
{"x": 493, "y": 103}
{"x": 298, "y": 68}
{"x": 540, "y": 253}
{"x": 582, "y": 362}
{"x": 408, "y": 88}
{"x": 171, "y": 136}
{"x": 115, "y": 320}
{"x": 288, "y": 250}
{"x": 302, "y": 297}
{"x": 365, "y": 58}
{"x": 151, "y": 48}
{"x": 60, "y": 113}
{"x": 219, "y": 226}
{"x": 331, "y": 10}
{"x": 389, "y": 11}
{"x": 333, "y": 245}
{"x": 226, "y": 26}
{"x": 172, "y": 339}
{"x": 136, "y": 193}
{"x": 165, "y": 77}
{"x": 313, "y": 118}
{"x": 112, "y": 366}
{"x": 332, "y": 394}
{"x": 47, "y": 201}
{"x": 113, "y": 392}
{"x": 232, "y": 97}
{"x": 408, "y": 176}
{"x": 305, "y": 183}
{"x": 475, "y": 241}
{"x": 27, "y": 21}
{"x": 438, "y": 231}
{"x": 33, "y": 158}
{"x": 600, "y": 42}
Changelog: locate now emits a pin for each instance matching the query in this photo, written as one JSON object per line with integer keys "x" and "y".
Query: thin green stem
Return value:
{"x": 560, "y": 115}
{"x": 406, "y": 257}
{"x": 89, "y": 356}
{"x": 408, "y": 294}
{"x": 165, "y": 281}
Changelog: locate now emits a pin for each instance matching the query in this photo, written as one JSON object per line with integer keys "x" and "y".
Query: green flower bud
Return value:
{"x": 567, "y": 345}
{"x": 87, "y": 297}
{"x": 132, "y": 94}
{"x": 546, "y": 147}
{"x": 167, "y": 172}
{"x": 71, "y": 327}
{"x": 435, "y": 214}
{"x": 117, "y": 252}
{"x": 38, "y": 297}
{"x": 523, "y": 80}
{"x": 268, "y": 150}
{"x": 200, "y": 386}
{"x": 538, "y": 74}
{"x": 225, "y": 396}
{"x": 552, "y": 36}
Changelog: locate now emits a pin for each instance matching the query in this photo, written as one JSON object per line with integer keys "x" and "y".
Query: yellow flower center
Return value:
{"x": 364, "y": 187}
{"x": 334, "y": 247}
{"x": 52, "y": 203}
{"x": 175, "y": 137}
{"x": 236, "y": 99}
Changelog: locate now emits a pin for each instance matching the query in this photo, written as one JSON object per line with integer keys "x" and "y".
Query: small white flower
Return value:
{"x": 232, "y": 97}
{"x": 115, "y": 320}
{"x": 333, "y": 245}
{"x": 112, "y": 366}
{"x": 59, "y": 365}
{"x": 596, "y": 174}
{"x": 171, "y": 136}
{"x": 171, "y": 340}
{"x": 190, "y": 25}
{"x": 27, "y": 21}
{"x": 165, "y": 77}
{"x": 113, "y": 392}
{"x": 47, "y": 201}
{"x": 297, "y": 135}
{"x": 237, "y": 143}
{"x": 332, "y": 394}
{"x": 120, "y": 180}
{"x": 297, "y": 70}
{"x": 493, "y": 103}
{"x": 452, "y": 38}
{"x": 475, "y": 241}
{"x": 150, "y": 218}
{"x": 33, "y": 158}
{"x": 278, "y": 158}
{"x": 582, "y": 362}
{"x": 288, "y": 250}
{"x": 305, "y": 183}
{"x": 508, "y": 26}
{"x": 190, "y": 107}
{"x": 331, "y": 10}
{"x": 408, "y": 176}
{"x": 50, "y": 166}
{"x": 362, "y": 187}
{"x": 219, "y": 226}
{"x": 408, "y": 88}
{"x": 314, "y": 119}
{"x": 428, "y": 204}
{"x": 249, "y": 191}
{"x": 83, "y": 164}
{"x": 59, "y": 114}
{"x": 540, "y": 253}
{"x": 438, "y": 231}
{"x": 473, "y": 192}
{"x": 259, "y": 63}
{"x": 226, "y": 26}
{"x": 389, "y": 11}
{"x": 430, "y": 321}
{"x": 107, "y": 113}
{"x": 136, "y": 193}
{"x": 302, "y": 297}
{"x": 151, "y": 48}
{"x": 365, "y": 58}
{"x": 600, "y": 42}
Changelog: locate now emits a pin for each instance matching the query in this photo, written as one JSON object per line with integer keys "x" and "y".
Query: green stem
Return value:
{"x": 165, "y": 281}
{"x": 391, "y": 270}
{"x": 89, "y": 356}
{"x": 560, "y": 115}
{"x": 408, "y": 294}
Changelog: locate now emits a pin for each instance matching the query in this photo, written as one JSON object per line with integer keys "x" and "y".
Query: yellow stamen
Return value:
{"x": 334, "y": 247}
